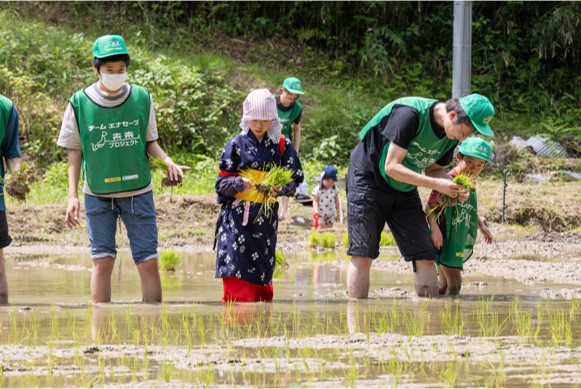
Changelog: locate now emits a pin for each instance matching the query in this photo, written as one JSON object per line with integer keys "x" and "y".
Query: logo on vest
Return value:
{"x": 119, "y": 140}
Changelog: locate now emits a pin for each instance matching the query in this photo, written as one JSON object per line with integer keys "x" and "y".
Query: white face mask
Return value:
{"x": 113, "y": 82}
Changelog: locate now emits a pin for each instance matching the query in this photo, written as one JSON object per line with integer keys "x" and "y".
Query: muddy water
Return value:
{"x": 499, "y": 333}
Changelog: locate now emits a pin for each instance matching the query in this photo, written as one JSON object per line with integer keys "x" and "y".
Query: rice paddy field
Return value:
{"x": 501, "y": 332}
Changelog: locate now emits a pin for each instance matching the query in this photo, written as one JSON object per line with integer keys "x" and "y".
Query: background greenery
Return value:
{"x": 200, "y": 59}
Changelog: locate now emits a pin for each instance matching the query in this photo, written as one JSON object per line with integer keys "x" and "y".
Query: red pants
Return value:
{"x": 243, "y": 291}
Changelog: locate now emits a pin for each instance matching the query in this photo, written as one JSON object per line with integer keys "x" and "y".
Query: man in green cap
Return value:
{"x": 408, "y": 137}
{"x": 454, "y": 227}
{"x": 109, "y": 129}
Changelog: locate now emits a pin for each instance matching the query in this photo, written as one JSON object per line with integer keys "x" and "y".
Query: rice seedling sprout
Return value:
{"x": 168, "y": 260}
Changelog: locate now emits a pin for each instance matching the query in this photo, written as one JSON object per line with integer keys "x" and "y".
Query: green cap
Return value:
{"x": 109, "y": 45}
{"x": 293, "y": 85}
{"x": 480, "y": 111}
{"x": 476, "y": 147}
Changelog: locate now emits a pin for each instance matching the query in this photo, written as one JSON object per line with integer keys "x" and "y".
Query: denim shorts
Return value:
{"x": 138, "y": 216}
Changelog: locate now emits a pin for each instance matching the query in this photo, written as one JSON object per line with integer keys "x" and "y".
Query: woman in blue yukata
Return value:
{"x": 245, "y": 240}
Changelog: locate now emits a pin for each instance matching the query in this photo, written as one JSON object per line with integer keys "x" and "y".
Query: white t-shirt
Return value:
{"x": 70, "y": 136}
{"x": 326, "y": 197}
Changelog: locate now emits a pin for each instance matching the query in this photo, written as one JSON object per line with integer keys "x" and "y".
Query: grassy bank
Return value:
{"x": 198, "y": 79}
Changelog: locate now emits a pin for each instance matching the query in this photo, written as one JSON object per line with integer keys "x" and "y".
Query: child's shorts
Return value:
{"x": 239, "y": 290}
{"x": 5, "y": 238}
{"x": 138, "y": 215}
{"x": 328, "y": 218}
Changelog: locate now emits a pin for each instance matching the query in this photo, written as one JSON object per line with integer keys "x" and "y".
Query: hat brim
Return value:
{"x": 475, "y": 155}
{"x": 295, "y": 91}
{"x": 484, "y": 130}
{"x": 112, "y": 54}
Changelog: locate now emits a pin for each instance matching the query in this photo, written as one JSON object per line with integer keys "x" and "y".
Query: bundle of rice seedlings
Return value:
{"x": 463, "y": 179}
{"x": 328, "y": 240}
{"x": 276, "y": 177}
{"x": 17, "y": 186}
{"x": 159, "y": 164}
{"x": 387, "y": 239}
{"x": 281, "y": 264}
{"x": 168, "y": 260}
{"x": 315, "y": 239}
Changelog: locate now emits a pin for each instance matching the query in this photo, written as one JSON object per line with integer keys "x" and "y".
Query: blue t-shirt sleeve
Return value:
{"x": 10, "y": 145}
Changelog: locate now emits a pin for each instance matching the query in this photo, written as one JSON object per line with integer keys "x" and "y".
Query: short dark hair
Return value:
{"x": 98, "y": 62}
{"x": 453, "y": 105}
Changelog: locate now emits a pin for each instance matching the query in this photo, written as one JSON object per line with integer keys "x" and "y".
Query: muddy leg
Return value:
{"x": 454, "y": 278}
{"x": 443, "y": 283}
{"x": 101, "y": 279}
{"x": 425, "y": 279}
{"x": 150, "y": 281}
{"x": 3, "y": 282}
{"x": 358, "y": 277}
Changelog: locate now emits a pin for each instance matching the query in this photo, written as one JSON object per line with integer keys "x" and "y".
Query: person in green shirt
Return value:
{"x": 408, "y": 137}
{"x": 109, "y": 129}
{"x": 454, "y": 228}
{"x": 11, "y": 156}
{"x": 290, "y": 113}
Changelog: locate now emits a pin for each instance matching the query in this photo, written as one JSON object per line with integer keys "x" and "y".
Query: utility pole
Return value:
{"x": 462, "y": 49}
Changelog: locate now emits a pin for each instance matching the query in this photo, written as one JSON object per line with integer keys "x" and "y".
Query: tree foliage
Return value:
{"x": 526, "y": 58}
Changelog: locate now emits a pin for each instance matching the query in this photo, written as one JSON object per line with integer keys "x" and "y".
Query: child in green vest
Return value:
{"x": 290, "y": 113}
{"x": 454, "y": 227}
{"x": 109, "y": 129}
{"x": 9, "y": 153}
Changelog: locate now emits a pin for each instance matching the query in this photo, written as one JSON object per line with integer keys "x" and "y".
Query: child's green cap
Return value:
{"x": 109, "y": 45}
{"x": 480, "y": 111}
{"x": 293, "y": 85}
{"x": 476, "y": 147}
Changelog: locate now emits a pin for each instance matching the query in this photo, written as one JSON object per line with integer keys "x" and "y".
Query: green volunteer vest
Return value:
{"x": 5, "y": 112}
{"x": 113, "y": 142}
{"x": 425, "y": 148}
{"x": 461, "y": 230}
{"x": 6, "y": 107}
{"x": 288, "y": 118}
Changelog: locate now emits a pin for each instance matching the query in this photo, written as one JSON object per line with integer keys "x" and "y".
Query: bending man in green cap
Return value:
{"x": 408, "y": 137}
{"x": 109, "y": 128}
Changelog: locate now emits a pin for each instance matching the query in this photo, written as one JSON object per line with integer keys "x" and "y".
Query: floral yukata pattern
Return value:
{"x": 247, "y": 251}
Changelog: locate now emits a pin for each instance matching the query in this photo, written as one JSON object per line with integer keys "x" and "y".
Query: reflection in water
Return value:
{"x": 239, "y": 314}
{"x": 358, "y": 316}
{"x": 142, "y": 320}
